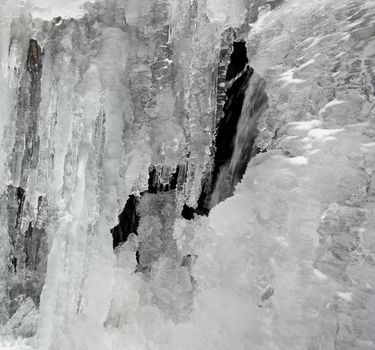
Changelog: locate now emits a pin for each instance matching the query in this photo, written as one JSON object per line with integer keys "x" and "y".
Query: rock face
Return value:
{"x": 26, "y": 146}
{"x": 191, "y": 174}
{"x": 28, "y": 251}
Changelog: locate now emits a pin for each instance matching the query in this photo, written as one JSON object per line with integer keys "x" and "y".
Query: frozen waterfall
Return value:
{"x": 187, "y": 175}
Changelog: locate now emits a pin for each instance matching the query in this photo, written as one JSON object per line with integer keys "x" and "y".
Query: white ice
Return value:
{"x": 286, "y": 263}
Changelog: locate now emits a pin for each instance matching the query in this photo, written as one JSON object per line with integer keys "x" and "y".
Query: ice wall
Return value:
{"x": 92, "y": 102}
{"x": 293, "y": 249}
{"x": 95, "y": 95}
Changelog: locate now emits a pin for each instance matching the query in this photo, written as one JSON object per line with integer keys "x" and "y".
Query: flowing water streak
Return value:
{"x": 254, "y": 105}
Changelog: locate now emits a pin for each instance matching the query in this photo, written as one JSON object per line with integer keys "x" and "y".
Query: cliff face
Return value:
{"x": 119, "y": 100}
{"x": 126, "y": 125}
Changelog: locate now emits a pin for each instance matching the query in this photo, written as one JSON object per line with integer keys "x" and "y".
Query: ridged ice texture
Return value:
{"x": 90, "y": 102}
{"x": 287, "y": 263}
{"x": 291, "y": 256}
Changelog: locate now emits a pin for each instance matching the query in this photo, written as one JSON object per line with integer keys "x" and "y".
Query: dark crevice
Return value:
{"x": 27, "y": 250}
{"x": 188, "y": 212}
{"x": 152, "y": 181}
{"x": 238, "y": 60}
{"x": 20, "y": 200}
{"x": 227, "y": 128}
{"x": 128, "y": 222}
{"x": 237, "y": 79}
{"x": 15, "y": 204}
{"x": 13, "y": 260}
{"x": 202, "y": 209}
{"x": 129, "y": 217}
{"x": 137, "y": 256}
{"x": 34, "y": 57}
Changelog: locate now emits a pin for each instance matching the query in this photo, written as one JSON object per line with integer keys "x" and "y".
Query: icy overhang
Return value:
{"x": 228, "y": 12}
{"x": 49, "y": 9}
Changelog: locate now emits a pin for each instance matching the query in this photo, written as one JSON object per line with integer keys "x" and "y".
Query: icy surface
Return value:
{"x": 94, "y": 101}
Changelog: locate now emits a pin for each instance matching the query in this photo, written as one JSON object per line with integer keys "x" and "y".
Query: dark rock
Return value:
{"x": 128, "y": 222}
{"x": 238, "y": 60}
{"x": 34, "y": 57}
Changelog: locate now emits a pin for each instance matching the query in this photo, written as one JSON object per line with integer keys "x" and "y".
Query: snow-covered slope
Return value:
{"x": 291, "y": 256}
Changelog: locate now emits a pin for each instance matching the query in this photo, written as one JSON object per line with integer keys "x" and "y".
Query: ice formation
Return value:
{"x": 187, "y": 174}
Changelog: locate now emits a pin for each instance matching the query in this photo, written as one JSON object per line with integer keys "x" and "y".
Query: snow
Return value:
{"x": 306, "y": 64}
{"x": 292, "y": 81}
{"x": 323, "y": 133}
{"x": 306, "y": 125}
{"x": 18, "y": 344}
{"x": 331, "y": 104}
{"x": 346, "y": 296}
{"x": 298, "y": 160}
{"x": 49, "y": 9}
{"x": 287, "y": 78}
{"x": 310, "y": 117}
{"x": 232, "y": 13}
{"x": 321, "y": 276}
